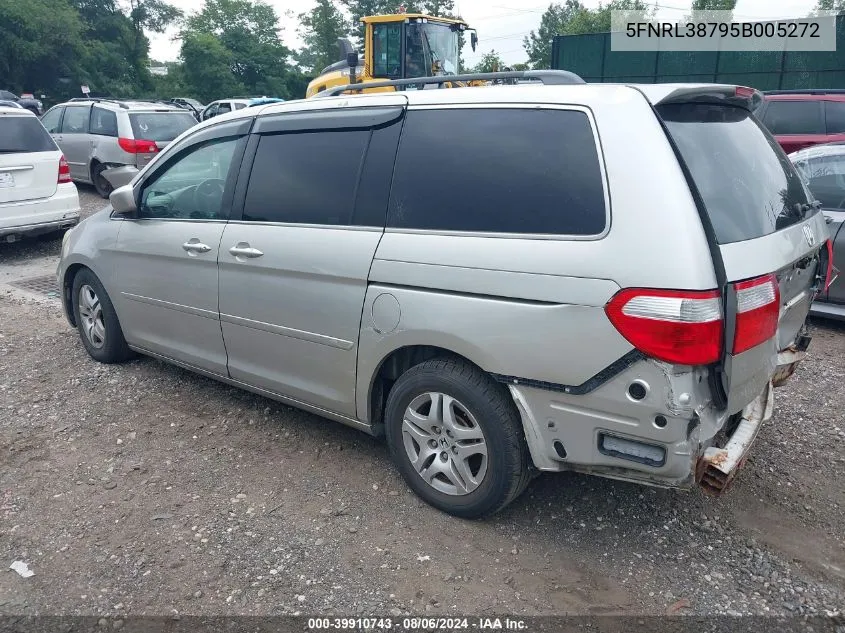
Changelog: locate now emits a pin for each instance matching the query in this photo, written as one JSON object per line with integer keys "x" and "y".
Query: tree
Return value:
{"x": 361, "y": 8}
{"x": 207, "y": 67}
{"x": 320, "y": 30}
{"x": 152, "y": 15}
{"x": 573, "y": 18}
{"x": 248, "y": 35}
{"x": 713, "y": 5}
{"x": 441, "y": 8}
{"x": 829, "y": 5}
{"x": 490, "y": 63}
{"x": 41, "y": 44}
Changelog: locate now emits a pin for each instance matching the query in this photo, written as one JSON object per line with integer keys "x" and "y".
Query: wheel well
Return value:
{"x": 396, "y": 364}
{"x": 67, "y": 289}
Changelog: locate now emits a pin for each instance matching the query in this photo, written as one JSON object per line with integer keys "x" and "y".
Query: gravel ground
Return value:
{"x": 145, "y": 489}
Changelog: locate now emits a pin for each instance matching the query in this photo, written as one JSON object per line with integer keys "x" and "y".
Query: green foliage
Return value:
{"x": 207, "y": 67}
{"x": 361, "y": 8}
{"x": 572, "y": 18}
{"x": 713, "y": 5}
{"x": 829, "y": 5}
{"x": 490, "y": 63}
{"x": 248, "y": 46}
{"x": 320, "y": 30}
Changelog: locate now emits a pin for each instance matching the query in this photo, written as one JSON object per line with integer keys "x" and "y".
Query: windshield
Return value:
{"x": 160, "y": 126}
{"x": 749, "y": 187}
{"x": 431, "y": 49}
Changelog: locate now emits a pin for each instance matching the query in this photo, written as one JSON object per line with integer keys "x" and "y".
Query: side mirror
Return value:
{"x": 123, "y": 201}
{"x": 352, "y": 62}
{"x": 473, "y": 40}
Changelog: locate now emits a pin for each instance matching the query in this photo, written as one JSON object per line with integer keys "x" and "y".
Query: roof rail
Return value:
{"x": 809, "y": 91}
{"x": 547, "y": 77}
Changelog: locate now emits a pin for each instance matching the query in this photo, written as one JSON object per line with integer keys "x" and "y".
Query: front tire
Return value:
{"x": 97, "y": 321}
{"x": 457, "y": 439}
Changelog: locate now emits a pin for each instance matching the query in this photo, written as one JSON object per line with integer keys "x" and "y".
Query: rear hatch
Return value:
{"x": 29, "y": 159}
{"x": 154, "y": 130}
{"x": 766, "y": 237}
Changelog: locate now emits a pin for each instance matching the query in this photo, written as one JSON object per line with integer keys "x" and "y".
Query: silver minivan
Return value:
{"x": 100, "y": 134}
{"x": 502, "y": 280}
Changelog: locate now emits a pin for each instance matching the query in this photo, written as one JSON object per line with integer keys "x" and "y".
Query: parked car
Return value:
{"x": 25, "y": 101}
{"x": 223, "y": 106}
{"x": 803, "y": 118}
{"x": 362, "y": 258}
{"x": 100, "y": 134}
{"x": 189, "y": 104}
{"x": 823, "y": 168}
{"x": 36, "y": 193}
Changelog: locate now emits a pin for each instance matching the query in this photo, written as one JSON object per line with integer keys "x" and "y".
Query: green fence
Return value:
{"x": 590, "y": 56}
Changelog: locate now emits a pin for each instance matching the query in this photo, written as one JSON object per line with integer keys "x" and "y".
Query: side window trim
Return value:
{"x": 529, "y": 236}
{"x": 231, "y": 129}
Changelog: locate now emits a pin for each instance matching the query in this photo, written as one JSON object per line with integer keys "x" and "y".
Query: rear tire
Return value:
{"x": 102, "y": 185}
{"x": 97, "y": 321}
{"x": 457, "y": 438}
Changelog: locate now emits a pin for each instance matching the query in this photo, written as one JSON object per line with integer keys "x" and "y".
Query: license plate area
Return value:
{"x": 7, "y": 180}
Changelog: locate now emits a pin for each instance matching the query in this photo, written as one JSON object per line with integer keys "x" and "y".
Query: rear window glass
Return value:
{"x": 794, "y": 117}
{"x": 498, "y": 171}
{"x": 160, "y": 126}
{"x": 19, "y": 134}
{"x": 749, "y": 187}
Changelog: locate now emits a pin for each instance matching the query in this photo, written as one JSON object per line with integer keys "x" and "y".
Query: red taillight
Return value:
{"x": 64, "y": 171}
{"x": 677, "y": 326}
{"x": 137, "y": 146}
{"x": 757, "y": 312}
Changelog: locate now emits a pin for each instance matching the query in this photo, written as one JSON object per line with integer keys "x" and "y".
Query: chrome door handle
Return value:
{"x": 196, "y": 247}
{"x": 243, "y": 249}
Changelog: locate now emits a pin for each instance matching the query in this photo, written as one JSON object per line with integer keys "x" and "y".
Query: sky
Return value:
{"x": 501, "y": 24}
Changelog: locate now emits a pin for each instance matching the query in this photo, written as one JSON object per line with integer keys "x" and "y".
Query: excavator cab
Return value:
{"x": 400, "y": 46}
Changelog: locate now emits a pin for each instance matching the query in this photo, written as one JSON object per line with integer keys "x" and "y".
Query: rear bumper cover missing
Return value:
{"x": 717, "y": 467}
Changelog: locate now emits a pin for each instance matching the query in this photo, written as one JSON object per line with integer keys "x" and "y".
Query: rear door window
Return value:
{"x": 794, "y": 117}
{"x": 75, "y": 120}
{"x": 498, "y": 171}
{"x": 835, "y": 116}
{"x": 306, "y": 178}
{"x": 748, "y": 185}
{"x": 24, "y": 134}
{"x": 103, "y": 122}
{"x": 160, "y": 126}
{"x": 825, "y": 176}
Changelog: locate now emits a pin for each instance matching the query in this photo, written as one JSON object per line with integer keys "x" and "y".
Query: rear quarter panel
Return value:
{"x": 534, "y": 308}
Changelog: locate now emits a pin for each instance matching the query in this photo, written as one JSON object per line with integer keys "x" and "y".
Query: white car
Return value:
{"x": 223, "y": 106}
{"x": 36, "y": 192}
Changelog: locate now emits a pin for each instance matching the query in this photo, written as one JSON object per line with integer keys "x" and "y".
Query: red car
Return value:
{"x": 801, "y": 118}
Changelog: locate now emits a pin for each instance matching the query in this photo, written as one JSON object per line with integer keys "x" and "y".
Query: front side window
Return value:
{"x": 306, "y": 178}
{"x": 52, "y": 119}
{"x": 387, "y": 50}
{"x": 75, "y": 120}
{"x": 223, "y": 108}
{"x": 192, "y": 186}
{"x": 794, "y": 117}
{"x": 498, "y": 171}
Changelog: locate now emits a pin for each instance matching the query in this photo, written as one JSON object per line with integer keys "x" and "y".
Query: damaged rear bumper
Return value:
{"x": 717, "y": 467}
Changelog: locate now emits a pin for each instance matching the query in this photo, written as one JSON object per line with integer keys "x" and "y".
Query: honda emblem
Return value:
{"x": 808, "y": 234}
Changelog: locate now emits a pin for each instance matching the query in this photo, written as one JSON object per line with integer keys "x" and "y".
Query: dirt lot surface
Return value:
{"x": 145, "y": 489}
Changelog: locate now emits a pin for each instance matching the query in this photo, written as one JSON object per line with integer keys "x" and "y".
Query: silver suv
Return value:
{"x": 502, "y": 280}
{"x": 96, "y": 135}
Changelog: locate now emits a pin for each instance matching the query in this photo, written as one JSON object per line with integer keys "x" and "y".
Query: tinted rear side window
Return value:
{"x": 749, "y": 187}
{"x": 160, "y": 126}
{"x": 306, "y": 178}
{"x": 498, "y": 170}
{"x": 835, "y": 116}
{"x": 103, "y": 122}
{"x": 794, "y": 117}
{"x": 21, "y": 134}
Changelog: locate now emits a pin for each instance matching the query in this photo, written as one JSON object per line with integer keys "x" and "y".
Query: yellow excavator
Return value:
{"x": 397, "y": 47}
